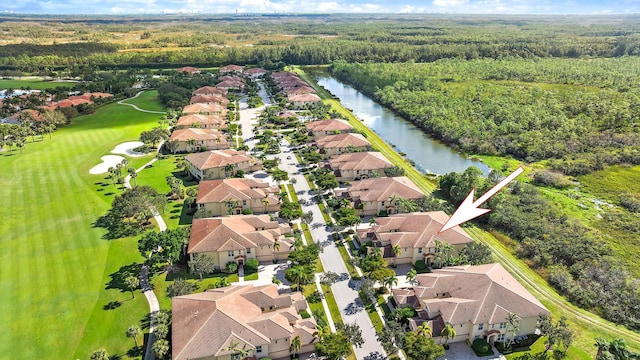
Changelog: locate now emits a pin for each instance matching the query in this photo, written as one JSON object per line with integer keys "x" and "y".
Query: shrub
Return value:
{"x": 630, "y": 202}
{"x": 382, "y": 290}
{"x": 314, "y": 297}
{"x": 383, "y": 213}
{"x": 481, "y": 347}
{"x": 420, "y": 265}
{"x": 550, "y": 178}
{"x": 231, "y": 267}
{"x": 251, "y": 265}
{"x": 247, "y": 211}
{"x": 304, "y": 314}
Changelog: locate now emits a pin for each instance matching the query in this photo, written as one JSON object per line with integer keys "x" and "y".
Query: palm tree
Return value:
{"x": 239, "y": 353}
{"x": 231, "y": 204}
{"x": 276, "y": 248}
{"x": 448, "y": 333}
{"x": 295, "y": 346}
{"x": 223, "y": 282}
{"x": 192, "y": 143}
{"x": 133, "y": 332}
{"x": 133, "y": 174}
{"x": 411, "y": 276}
{"x": 513, "y": 327}
{"x": 425, "y": 330}
{"x": 265, "y": 202}
{"x": 602, "y": 345}
{"x": 132, "y": 283}
{"x": 228, "y": 170}
{"x": 390, "y": 281}
{"x": 300, "y": 275}
{"x": 160, "y": 348}
{"x": 397, "y": 250}
{"x": 100, "y": 354}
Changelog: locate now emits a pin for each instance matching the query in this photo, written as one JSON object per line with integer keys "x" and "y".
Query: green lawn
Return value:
{"x": 33, "y": 84}
{"x": 55, "y": 265}
{"x": 148, "y": 100}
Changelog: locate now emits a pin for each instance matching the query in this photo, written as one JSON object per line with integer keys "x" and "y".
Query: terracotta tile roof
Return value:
{"x": 198, "y": 134}
{"x": 479, "y": 294}
{"x": 301, "y": 90}
{"x": 34, "y": 115}
{"x": 231, "y": 68}
{"x": 367, "y": 160}
{"x": 206, "y": 324}
{"x": 383, "y": 189}
{"x": 72, "y": 102}
{"x": 417, "y": 230}
{"x": 217, "y": 191}
{"x": 304, "y": 98}
{"x": 235, "y": 233}
{"x": 210, "y": 90}
{"x": 217, "y": 158}
{"x": 282, "y": 74}
{"x": 204, "y": 120}
{"x": 329, "y": 125}
{"x": 208, "y": 108}
{"x": 208, "y": 99}
{"x": 287, "y": 114}
{"x": 292, "y": 84}
{"x": 230, "y": 84}
{"x": 342, "y": 141}
{"x": 231, "y": 78}
{"x": 189, "y": 70}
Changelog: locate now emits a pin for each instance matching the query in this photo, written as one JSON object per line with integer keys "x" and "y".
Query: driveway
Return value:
{"x": 462, "y": 351}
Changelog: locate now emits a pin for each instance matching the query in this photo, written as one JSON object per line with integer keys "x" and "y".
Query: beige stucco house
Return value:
{"x": 232, "y": 196}
{"x": 416, "y": 234}
{"x": 360, "y": 165}
{"x": 302, "y": 100}
{"x": 216, "y": 164}
{"x": 239, "y": 238}
{"x": 211, "y": 324}
{"x": 342, "y": 143}
{"x": 201, "y": 121}
{"x": 231, "y": 69}
{"x": 194, "y": 139}
{"x": 211, "y": 91}
{"x": 205, "y": 109}
{"x": 475, "y": 300}
{"x": 320, "y": 128}
{"x": 372, "y": 196}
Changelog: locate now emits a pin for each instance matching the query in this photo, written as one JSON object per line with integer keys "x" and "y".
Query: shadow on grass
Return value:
{"x": 185, "y": 218}
{"x": 118, "y": 278}
{"x": 116, "y": 227}
{"x": 187, "y": 179}
{"x": 135, "y": 352}
{"x": 112, "y": 305}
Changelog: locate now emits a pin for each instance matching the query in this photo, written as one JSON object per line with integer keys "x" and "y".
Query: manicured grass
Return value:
{"x": 161, "y": 282}
{"x": 345, "y": 258}
{"x": 54, "y": 264}
{"x": 148, "y": 100}
{"x": 586, "y": 325}
{"x": 33, "y": 84}
{"x": 333, "y": 306}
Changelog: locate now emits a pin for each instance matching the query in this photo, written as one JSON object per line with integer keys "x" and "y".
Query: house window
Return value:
{"x": 419, "y": 250}
{"x": 230, "y": 253}
{"x": 248, "y": 251}
{"x": 382, "y": 203}
{"x": 500, "y": 338}
{"x": 258, "y": 349}
{"x": 244, "y": 202}
{"x": 480, "y": 326}
{"x": 503, "y": 325}
{"x": 235, "y": 357}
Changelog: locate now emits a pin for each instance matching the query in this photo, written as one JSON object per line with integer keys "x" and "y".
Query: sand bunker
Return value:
{"x": 107, "y": 162}
{"x": 127, "y": 149}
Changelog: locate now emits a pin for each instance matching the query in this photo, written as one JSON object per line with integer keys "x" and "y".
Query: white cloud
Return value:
{"x": 327, "y": 6}
{"x": 449, "y": 3}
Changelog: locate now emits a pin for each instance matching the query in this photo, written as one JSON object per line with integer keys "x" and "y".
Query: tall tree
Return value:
{"x": 160, "y": 348}
{"x": 100, "y": 354}
{"x": 418, "y": 347}
{"x": 448, "y": 332}
{"x": 424, "y": 330}
{"x": 295, "y": 346}
{"x": 201, "y": 264}
{"x": 132, "y": 283}
{"x": 133, "y": 331}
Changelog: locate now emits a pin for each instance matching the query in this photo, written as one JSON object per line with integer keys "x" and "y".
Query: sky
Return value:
{"x": 321, "y": 6}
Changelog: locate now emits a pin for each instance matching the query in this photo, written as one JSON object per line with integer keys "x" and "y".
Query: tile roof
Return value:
{"x": 204, "y": 120}
{"x": 342, "y": 141}
{"x": 231, "y": 67}
{"x": 208, "y": 323}
{"x": 329, "y": 125}
{"x": 479, "y": 294}
{"x": 304, "y": 98}
{"x": 188, "y": 69}
{"x": 366, "y": 160}
{"x": 209, "y": 99}
{"x": 236, "y": 233}
{"x": 204, "y": 108}
{"x": 301, "y": 90}
{"x": 210, "y": 90}
{"x": 230, "y": 84}
{"x": 215, "y": 191}
{"x": 217, "y": 158}
{"x": 383, "y": 189}
{"x": 254, "y": 71}
{"x": 416, "y": 230}
{"x": 198, "y": 134}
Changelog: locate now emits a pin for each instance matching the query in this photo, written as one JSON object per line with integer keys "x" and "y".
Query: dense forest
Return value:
{"x": 579, "y": 114}
{"x": 300, "y": 40}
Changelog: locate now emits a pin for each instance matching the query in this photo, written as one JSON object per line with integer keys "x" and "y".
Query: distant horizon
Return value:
{"x": 318, "y": 7}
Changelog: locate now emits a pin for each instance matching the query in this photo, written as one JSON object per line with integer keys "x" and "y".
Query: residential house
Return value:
{"x": 417, "y": 236}
{"x": 475, "y": 300}
{"x": 285, "y": 114}
{"x": 195, "y": 139}
{"x": 254, "y": 73}
{"x": 230, "y": 85}
{"x": 357, "y": 166}
{"x": 209, "y": 99}
{"x": 300, "y": 90}
{"x": 231, "y": 69}
{"x": 233, "y": 196}
{"x": 220, "y": 164}
{"x": 212, "y": 324}
{"x": 205, "y": 109}
{"x": 210, "y": 91}
{"x": 302, "y": 100}
{"x": 189, "y": 70}
{"x": 342, "y": 143}
{"x": 384, "y": 195}
{"x": 201, "y": 121}
{"x": 320, "y": 128}
{"x": 239, "y": 238}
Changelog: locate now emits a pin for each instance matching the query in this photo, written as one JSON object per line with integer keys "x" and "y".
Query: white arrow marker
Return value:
{"x": 469, "y": 209}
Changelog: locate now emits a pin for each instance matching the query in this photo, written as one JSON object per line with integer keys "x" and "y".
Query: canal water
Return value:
{"x": 429, "y": 155}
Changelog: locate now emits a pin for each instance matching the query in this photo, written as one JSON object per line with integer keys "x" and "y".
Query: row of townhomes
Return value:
{"x": 239, "y": 225}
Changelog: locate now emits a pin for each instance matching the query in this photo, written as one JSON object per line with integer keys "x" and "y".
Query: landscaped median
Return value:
{"x": 586, "y": 326}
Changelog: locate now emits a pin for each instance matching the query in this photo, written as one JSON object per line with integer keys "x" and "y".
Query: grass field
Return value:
{"x": 55, "y": 267}
{"x": 585, "y": 325}
{"x": 33, "y": 84}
